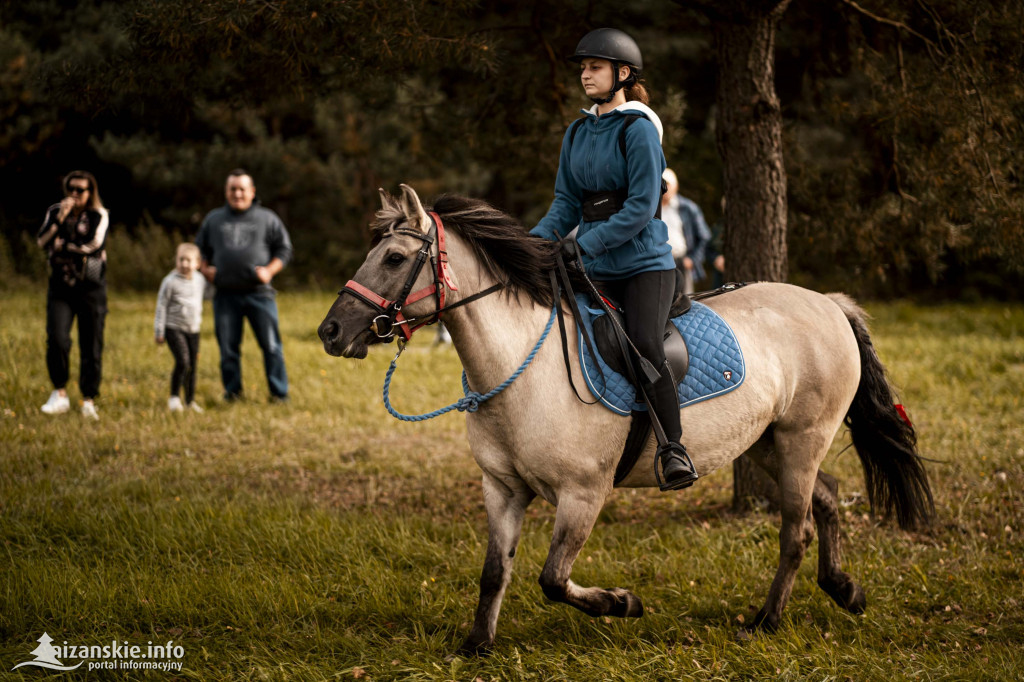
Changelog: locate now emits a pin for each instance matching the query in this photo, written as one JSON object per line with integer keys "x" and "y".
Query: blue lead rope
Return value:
{"x": 472, "y": 400}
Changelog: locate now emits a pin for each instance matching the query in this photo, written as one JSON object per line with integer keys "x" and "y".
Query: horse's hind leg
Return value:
{"x": 831, "y": 578}
{"x": 574, "y": 519}
{"x": 794, "y": 467}
{"x": 506, "y": 501}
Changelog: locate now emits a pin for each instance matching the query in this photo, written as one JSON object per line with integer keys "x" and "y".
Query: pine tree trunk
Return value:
{"x": 749, "y": 137}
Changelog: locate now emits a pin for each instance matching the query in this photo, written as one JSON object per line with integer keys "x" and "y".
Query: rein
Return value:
{"x": 471, "y": 400}
{"x": 390, "y": 317}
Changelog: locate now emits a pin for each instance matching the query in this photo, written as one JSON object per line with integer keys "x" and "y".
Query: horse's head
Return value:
{"x": 372, "y": 306}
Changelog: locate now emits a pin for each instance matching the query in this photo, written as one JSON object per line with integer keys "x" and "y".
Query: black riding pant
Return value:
{"x": 87, "y": 302}
{"x": 645, "y": 299}
{"x": 185, "y": 349}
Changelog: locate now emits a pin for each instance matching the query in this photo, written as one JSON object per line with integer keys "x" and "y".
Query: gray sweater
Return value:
{"x": 179, "y": 305}
{"x": 235, "y": 243}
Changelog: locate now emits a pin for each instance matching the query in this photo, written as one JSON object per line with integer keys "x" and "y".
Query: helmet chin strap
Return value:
{"x": 616, "y": 86}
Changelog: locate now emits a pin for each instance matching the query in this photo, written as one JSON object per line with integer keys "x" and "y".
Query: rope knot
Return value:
{"x": 471, "y": 403}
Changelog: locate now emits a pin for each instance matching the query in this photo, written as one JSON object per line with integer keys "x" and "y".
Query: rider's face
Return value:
{"x": 596, "y": 76}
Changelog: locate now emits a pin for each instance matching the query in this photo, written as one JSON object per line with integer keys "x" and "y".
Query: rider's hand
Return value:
{"x": 571, "y": 252}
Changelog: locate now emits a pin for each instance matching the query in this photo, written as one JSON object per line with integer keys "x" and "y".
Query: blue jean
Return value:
{"x": 229, "y": 309}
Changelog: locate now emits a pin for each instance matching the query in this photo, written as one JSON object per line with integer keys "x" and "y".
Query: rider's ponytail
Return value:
{"x": 637, "y": 93}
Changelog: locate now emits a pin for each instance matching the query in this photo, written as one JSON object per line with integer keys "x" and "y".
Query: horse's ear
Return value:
{"x": 413, "y": 209}
{"x": 386, "y": 200}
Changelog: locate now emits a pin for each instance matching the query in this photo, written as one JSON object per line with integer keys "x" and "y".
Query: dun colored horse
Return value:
{"x": 810, "y": 367}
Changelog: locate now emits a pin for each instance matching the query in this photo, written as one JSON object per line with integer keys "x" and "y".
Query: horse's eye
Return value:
{"x": 394, "y": 259}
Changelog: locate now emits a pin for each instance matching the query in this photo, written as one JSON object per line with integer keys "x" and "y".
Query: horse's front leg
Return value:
{"x": 574, "y": 519}
{"x": 506, "y": 501}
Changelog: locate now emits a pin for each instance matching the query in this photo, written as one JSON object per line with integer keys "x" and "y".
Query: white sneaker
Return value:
{"x": 57, "y": 404}
{"x": 194, "y": 406}
{"x": 174, "y": 404}
{"x": 89, "y": 410}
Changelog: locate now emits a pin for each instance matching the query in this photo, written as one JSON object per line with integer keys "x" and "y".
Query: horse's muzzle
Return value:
{"x": 331, "y": 334}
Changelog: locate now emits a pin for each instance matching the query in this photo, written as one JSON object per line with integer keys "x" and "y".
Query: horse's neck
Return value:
{"x": 494, "y": 334}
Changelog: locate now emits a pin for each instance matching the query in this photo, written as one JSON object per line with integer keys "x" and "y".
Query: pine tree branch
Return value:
{"x": 736, "y": 11}
{"x": 889, "y": 22}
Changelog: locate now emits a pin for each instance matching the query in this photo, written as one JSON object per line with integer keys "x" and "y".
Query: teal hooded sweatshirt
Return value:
{"x": 632, "y": 240}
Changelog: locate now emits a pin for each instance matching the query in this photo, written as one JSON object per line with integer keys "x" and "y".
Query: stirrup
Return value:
{"x": 684, "y": 473}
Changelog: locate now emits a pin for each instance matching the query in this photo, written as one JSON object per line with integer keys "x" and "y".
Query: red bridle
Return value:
{"x": 390, "y": 311}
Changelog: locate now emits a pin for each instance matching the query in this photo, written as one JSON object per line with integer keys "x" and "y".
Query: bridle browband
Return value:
{"x": 390, "y": 313}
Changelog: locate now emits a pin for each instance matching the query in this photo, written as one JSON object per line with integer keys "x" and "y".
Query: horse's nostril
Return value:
{"x": 328, "y": 330}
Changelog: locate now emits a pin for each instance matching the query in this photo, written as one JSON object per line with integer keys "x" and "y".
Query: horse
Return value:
{"x": 810, "y": 368}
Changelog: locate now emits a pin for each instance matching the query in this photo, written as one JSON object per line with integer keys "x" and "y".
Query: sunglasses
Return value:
{"x": 77, "y": 190}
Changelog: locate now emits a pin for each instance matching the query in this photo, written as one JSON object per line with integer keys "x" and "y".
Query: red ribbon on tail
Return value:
{"x": 903, "y": 414}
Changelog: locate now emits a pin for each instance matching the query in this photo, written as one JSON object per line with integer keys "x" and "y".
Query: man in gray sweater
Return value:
{"x": 243, "y": 246}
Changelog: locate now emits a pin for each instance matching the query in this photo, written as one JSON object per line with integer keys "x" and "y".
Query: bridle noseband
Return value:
{"x": 390, "y": 316}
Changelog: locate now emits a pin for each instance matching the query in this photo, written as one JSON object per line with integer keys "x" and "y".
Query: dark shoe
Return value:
{"x": 232, "y": 397}
{"x": 676, "y": 466}
{"x": 279, "y": 400}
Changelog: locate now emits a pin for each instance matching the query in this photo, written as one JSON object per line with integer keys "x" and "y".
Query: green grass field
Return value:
{"x": 323, "y": 539}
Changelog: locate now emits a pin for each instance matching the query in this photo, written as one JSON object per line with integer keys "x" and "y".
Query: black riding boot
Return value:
{"x": 676, "y": 467}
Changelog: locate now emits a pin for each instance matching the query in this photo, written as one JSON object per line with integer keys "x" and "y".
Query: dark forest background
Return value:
{"x": 902, "y": 123}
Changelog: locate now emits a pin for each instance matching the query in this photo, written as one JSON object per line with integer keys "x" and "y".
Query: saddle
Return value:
{"x": 615, "y": 348}
{"x": 703, "y": 357}
{"x": 611, "y": 347}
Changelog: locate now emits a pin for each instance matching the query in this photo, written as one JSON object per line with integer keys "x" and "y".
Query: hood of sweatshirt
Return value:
{"x": 633, "y": 108}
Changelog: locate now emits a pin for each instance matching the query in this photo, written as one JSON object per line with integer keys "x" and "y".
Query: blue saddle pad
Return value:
{"x": 716, "y": 360}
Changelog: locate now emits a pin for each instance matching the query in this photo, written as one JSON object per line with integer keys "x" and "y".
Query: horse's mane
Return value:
{"x": 508, "y": 253}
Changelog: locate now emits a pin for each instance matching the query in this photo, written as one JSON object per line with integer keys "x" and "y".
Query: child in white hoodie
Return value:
{"x": 179, "y": 313}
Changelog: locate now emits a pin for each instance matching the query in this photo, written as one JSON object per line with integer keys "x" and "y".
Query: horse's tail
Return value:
{"x": 884, "y": 439}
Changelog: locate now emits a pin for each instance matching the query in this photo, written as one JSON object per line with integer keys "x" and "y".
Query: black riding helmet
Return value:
{"x": 618, "y": 48}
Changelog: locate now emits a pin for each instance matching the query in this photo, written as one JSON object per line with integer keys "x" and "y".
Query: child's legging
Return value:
{"x": 185, "y": 349}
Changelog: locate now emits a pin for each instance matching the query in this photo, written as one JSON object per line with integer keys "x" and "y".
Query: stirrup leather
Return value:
{"x": 665, "y": 454}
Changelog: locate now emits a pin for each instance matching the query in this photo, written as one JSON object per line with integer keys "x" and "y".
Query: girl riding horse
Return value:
{"x": 613, "y": 193}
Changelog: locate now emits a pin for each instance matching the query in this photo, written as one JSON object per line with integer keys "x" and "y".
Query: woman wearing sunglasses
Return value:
{"x": 74, "y": 234}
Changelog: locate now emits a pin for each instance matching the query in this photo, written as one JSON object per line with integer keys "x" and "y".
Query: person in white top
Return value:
{"x": 179, "y": 314}
{"x": 688, "y": 233}
{"x": 674, "y": 222}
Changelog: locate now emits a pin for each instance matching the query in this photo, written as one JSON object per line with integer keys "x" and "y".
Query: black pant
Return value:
{"x": 185, "y": 349}
{"x": 87, "y": 302}
{"x": 645, "y": 300}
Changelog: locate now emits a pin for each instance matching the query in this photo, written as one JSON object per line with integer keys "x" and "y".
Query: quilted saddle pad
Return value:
{"x": 716, "y": 360}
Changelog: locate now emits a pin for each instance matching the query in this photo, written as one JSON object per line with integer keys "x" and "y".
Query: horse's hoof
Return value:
{"x": 857, "y": 602}
{"x": 626, "y": 604}
{"x": 470, "y": 647}
{"x": 762, "y": 623}
{"x": 846, "y": 594}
